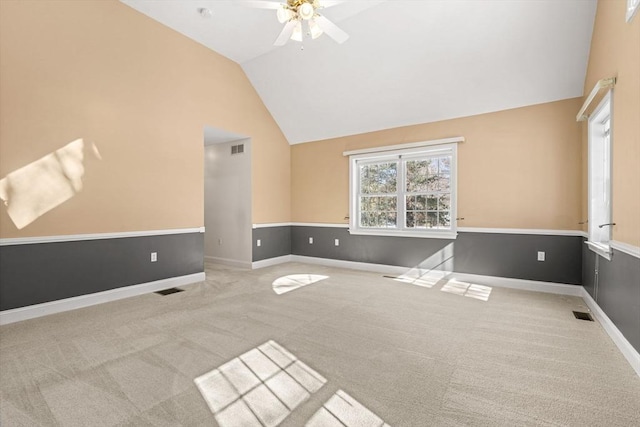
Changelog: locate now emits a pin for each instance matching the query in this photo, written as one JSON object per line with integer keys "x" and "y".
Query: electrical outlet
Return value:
{"x": 311, "y": 240}
{"x": 258, "y": 243}
{"x": 154, "y": 256}
{"x": 337, "y": 242}
{"x": 540, "y": 256}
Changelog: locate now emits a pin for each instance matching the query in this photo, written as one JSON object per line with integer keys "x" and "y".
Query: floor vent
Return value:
{"x": 583, "y": 316}
{"x": 169, "y": 291}
{"x": 390, "y": 277}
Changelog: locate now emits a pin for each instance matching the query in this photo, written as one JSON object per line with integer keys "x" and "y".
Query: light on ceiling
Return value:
{"x": 306, "y": 11}
{"x": 284, "y": 14}
{"x": 297, "y": 32}
{"x": 314, "y": 29}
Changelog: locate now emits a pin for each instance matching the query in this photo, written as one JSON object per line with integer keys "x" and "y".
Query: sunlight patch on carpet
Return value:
{"x": 342, "y": 410}
{"x": 289, "y": 283}
{"x": 470, "y": 290}
{"x": 258, "y": 388}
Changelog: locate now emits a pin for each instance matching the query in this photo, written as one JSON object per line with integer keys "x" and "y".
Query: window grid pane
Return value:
{"x": 378, "y": 195}
{"x": 428, "y": 193}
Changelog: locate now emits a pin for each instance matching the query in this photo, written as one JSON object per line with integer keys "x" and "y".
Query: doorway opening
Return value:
{"x": 227, "y": 198}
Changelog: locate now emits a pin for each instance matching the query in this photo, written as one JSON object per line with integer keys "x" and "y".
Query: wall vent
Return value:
{"x": 237, "y": 149}
{"x": 582, "y": 315}
{"x": 169, "y": 291}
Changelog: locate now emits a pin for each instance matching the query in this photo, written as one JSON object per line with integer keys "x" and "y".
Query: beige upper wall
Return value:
{"x": 518, "y": 168}
{"x": 615, "y": 52}
{"x": 100, "y": 71}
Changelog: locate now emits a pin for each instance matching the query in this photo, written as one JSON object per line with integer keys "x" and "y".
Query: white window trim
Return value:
{"x": 428, "y": 148}
{"x": 595, "y": 118}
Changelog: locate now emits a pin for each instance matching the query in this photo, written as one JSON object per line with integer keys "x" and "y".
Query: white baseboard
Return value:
{"x": 229, "y": 262}
{"x": 353, "y": 265}
{"x": 625, "y": 347}
{"x": 271, "y": 261}
{"x": 522, "y": 284}
{"x": 38, "y": 310}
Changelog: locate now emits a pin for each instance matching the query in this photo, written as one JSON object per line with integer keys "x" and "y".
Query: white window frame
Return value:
{"x": 596, "y": 137}
{"x": 428, "y": 149}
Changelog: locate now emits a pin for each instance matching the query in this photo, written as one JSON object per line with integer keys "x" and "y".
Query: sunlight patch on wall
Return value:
{"x": 431, "y": 270}
{"x": 343, "y": 410}
{"x": 467, "y": 289}
{"x": 35, "y": 189}
{"x": 292, "y": 282}
{"x": 258, "y": 388}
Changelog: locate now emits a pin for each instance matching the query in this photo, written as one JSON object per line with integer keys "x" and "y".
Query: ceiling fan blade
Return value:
{"x": 332, "y": 29}
{"x": 261, "y": 4}
{"x": 286, "y": 33}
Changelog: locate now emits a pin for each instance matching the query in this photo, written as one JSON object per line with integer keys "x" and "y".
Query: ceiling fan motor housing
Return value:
{"x": 303, "y": 9}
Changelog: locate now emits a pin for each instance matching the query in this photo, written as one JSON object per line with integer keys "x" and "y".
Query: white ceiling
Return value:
{"x": 406, "y": 61}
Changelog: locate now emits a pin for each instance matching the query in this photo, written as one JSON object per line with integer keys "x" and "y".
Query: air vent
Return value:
{"x": 237, "y": 149}
{"x": 169, "y": 291}
{"x": 583, "y": 316}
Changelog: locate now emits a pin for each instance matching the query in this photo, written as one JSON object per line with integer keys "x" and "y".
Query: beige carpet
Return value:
{"x": 351, "y": 349}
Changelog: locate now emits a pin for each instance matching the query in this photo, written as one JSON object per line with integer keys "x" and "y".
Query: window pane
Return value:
{"x": 392, "y": 219}
{"x": 410, "y": 220}
{"x": 432, "y": 219}
{"x": 386, "y": 220}
{"x": 392, "y": 203}
{"x": 432, "y": 183}
{"x": 416, "y": 175}
{"x": 420, "y": 219}
{"x": 378, "y": 211}
{"x": 365, "y": 203}
{"x": 445, "y": 165}
{"x": 432, "y": 168}
{"x": 444, "y": 202}
{"x": 410, "y": 203}
{"x": 444, "y": 219}
{"x": 378, "y": 178}
{"x": 367, "y": 220}
{"x": 421, "y": 202}
{"x": 443, "y": 182}
{"x": 432, "y": 202}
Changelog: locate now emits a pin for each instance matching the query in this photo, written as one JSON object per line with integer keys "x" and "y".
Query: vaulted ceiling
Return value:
{"x": 406, "y": 62}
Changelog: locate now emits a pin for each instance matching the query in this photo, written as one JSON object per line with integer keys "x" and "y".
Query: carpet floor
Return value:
{"x": 297, "y": 345}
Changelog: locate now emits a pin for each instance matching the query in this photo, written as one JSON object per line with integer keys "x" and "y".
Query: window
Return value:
{"x": 600, "y": 223}
{"x": 407, "y": 192}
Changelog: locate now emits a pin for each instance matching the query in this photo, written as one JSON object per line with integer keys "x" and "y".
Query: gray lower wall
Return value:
{"x": 37, "y": 273}
{"x": 618, "y": 289}
{"x": 503, "y": 255}
{"x": 490, "y": 254}
{"x": 274, "y": 242}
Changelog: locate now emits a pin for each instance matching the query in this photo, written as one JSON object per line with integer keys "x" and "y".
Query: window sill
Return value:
{"x": 600, "y": 249}
{"x": 399, "y": 233}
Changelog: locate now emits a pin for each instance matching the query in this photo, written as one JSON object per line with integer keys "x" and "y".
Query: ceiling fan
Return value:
{"x": 301, "y": 17}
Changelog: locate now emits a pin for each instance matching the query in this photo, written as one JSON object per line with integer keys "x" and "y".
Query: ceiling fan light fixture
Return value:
{"x": 284, "y": 14}
{"x": 297, "y": 32}
{"x": 314, "y": 29}
{"x": 306, "y": 11}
